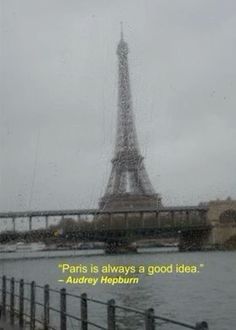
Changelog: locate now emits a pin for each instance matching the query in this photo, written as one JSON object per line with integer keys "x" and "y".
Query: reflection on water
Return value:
{"x": 209, "y": 295}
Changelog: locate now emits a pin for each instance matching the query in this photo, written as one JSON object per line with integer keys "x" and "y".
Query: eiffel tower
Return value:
{"x": 129, "y": 186}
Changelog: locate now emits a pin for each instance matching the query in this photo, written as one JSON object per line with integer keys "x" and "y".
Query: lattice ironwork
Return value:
{"x": 129, "y": 185}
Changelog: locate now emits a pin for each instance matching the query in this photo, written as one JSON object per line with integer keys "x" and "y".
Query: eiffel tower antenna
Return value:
{"x": 129, "y": 186}
{"x": 121, "y": 31}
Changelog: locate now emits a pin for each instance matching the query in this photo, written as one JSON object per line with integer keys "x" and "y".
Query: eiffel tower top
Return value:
{"x": 129, "y": 185}
{"x": 126, "y": 136}
{"x": 122, "y": 48}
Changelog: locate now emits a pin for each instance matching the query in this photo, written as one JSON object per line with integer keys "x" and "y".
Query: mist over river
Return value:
{"x": 209, "y": 295}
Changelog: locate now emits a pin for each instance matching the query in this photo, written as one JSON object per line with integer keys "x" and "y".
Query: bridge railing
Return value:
{"x": 21, "y": 302}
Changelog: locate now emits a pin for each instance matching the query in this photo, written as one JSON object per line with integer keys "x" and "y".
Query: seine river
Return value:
{"x": 208, "y": 295}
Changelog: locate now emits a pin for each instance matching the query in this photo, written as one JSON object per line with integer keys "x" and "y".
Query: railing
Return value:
{"x": 17, "y": 308}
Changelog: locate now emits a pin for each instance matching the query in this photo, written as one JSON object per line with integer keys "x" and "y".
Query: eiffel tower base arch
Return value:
{"x": 128, "y": 201}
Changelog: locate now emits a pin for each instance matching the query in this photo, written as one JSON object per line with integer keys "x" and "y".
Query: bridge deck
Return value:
{"x": 96, "y": 211}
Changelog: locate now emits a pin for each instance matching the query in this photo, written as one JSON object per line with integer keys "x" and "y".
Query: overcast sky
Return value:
{"x": 59, "y": 94}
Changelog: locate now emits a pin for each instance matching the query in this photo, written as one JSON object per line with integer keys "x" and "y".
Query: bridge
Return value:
{"x": 194, "y": 225}
{"x": 201, "y": 226}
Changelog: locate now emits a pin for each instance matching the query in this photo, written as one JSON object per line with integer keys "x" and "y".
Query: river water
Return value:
{"x": 209, "y": 294}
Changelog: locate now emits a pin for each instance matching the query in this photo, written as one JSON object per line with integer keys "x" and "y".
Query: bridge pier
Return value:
{"x": 30, "y": 223}
{"x": 120, "y": 247}
{"x": 187, "y": 216}
{"x": 14, "y": 224}
{"x": 193, "y": 240}
{"x": 172, "y": 218}
{"x": 126, "y": 220}
{"x": 46, "y": 222}
{"x": 157, "y": 219}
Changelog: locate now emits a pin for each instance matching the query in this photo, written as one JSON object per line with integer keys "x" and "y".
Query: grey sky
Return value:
{"x": 59, "y": 95}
